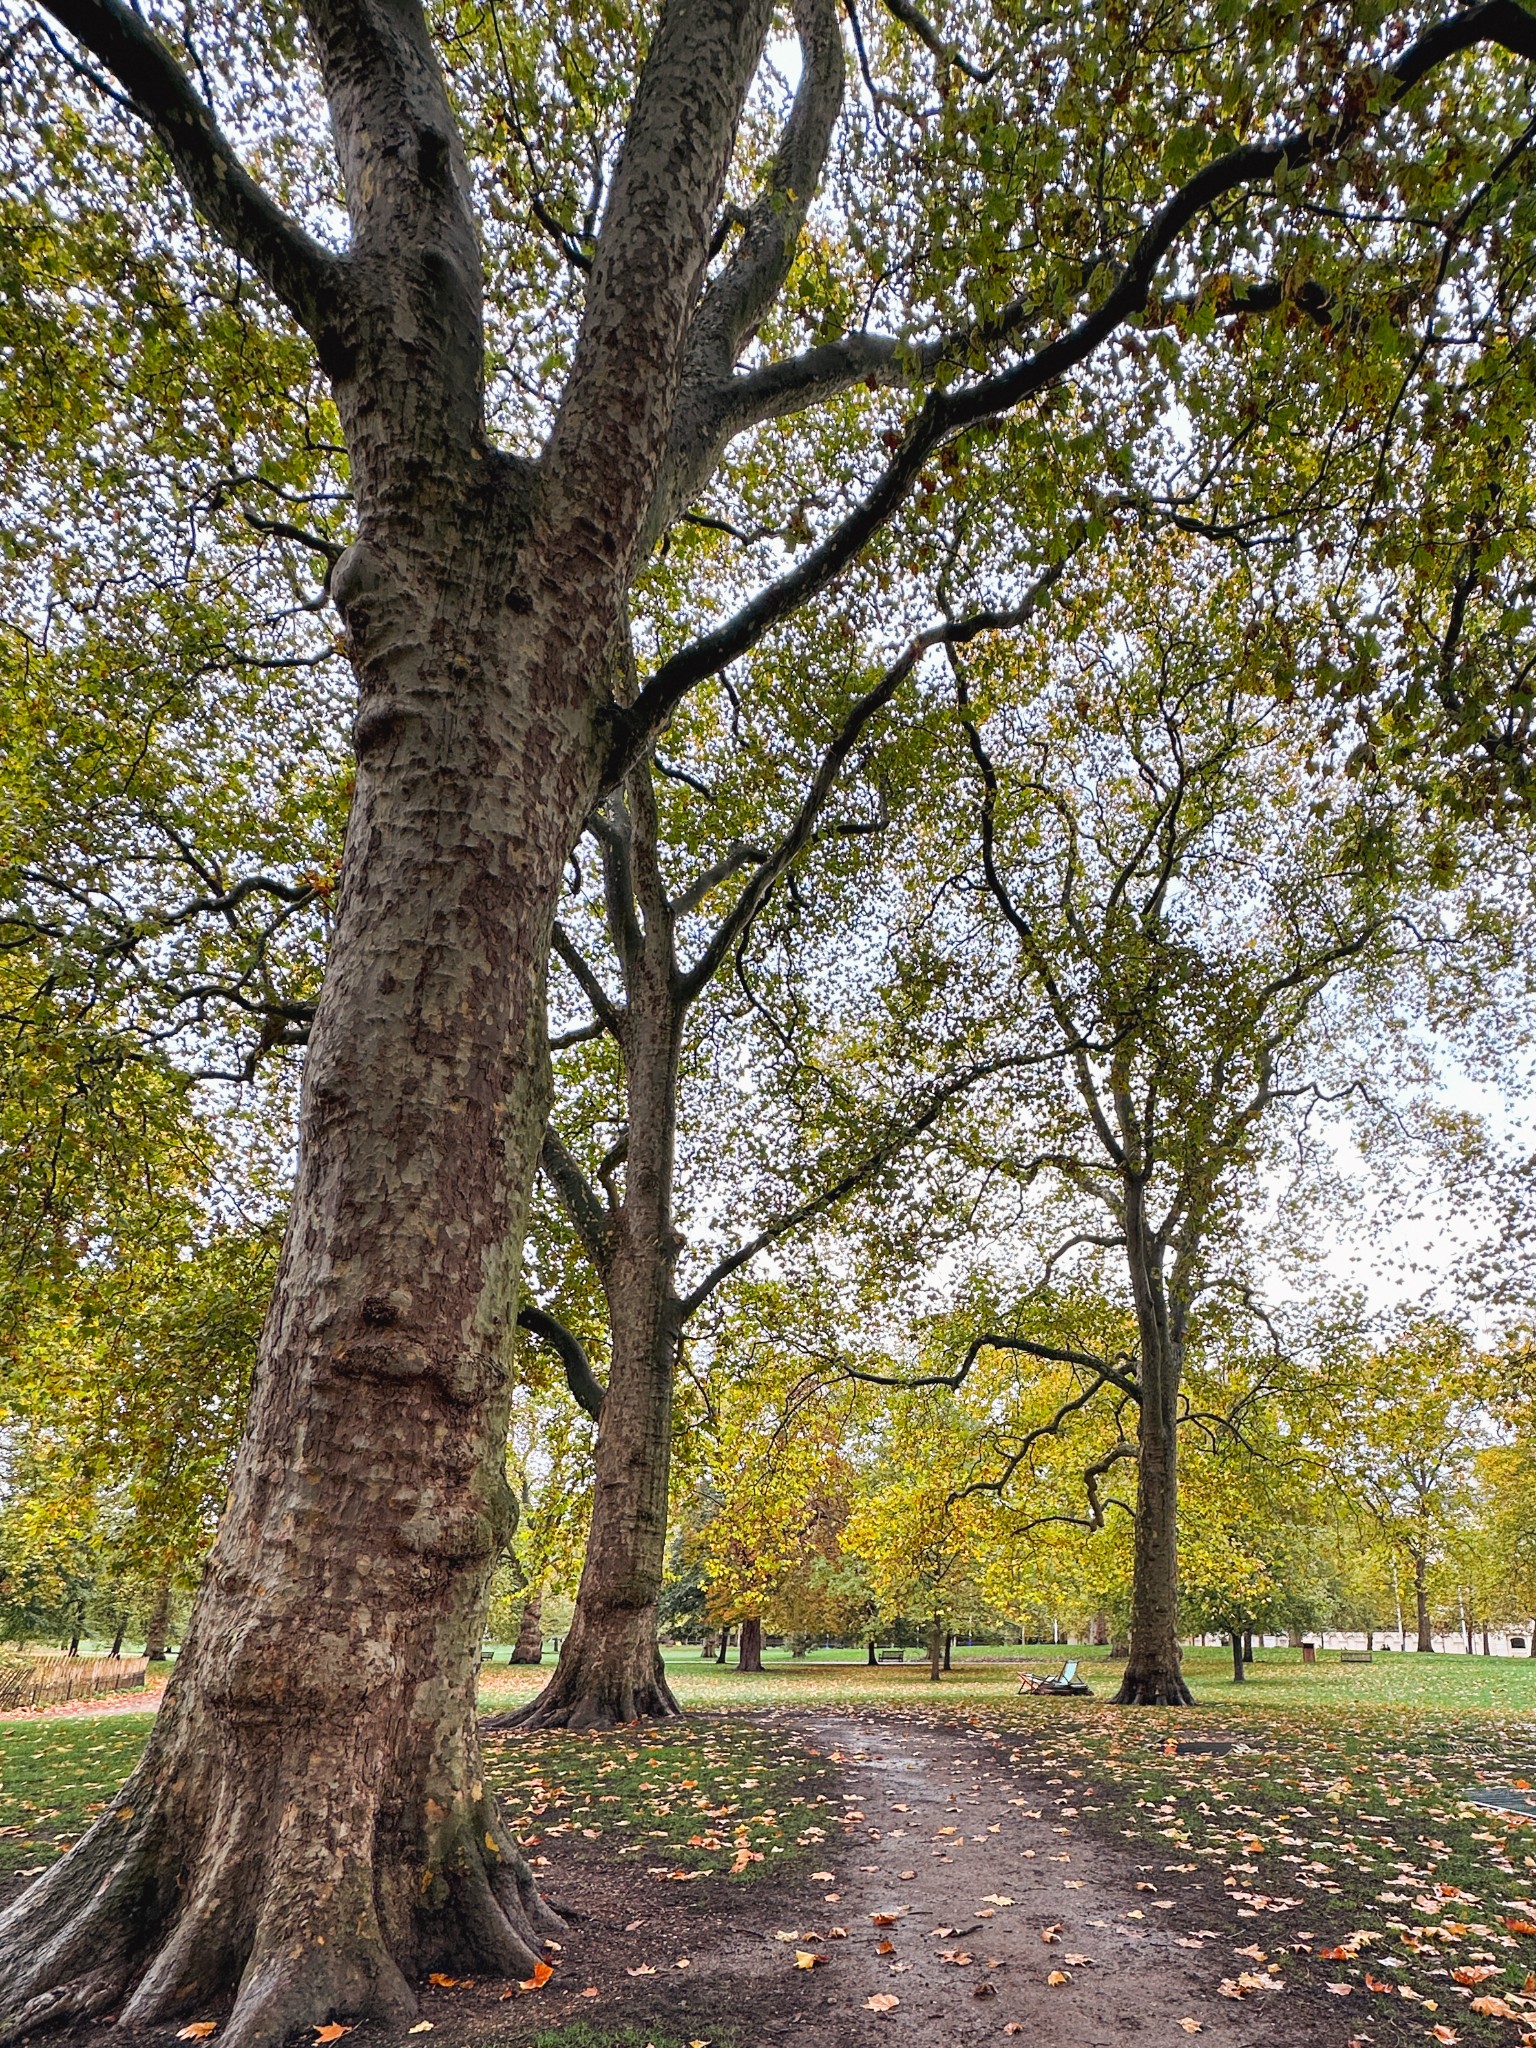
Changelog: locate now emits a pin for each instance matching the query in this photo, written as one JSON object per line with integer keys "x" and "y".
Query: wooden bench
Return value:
{"x": 1356, "y": 1656}
{"x": 893, "y": 1656}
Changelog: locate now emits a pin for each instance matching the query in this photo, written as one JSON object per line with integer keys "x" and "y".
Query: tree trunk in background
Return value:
{"x": 1239, "y": 1675}
{"x": 1098, "y": 1631}
{"x": 872, "y": 1658}
{"x": 1426, "y": 1641}
{"x": 725, "y": 1646}
{"x": 117, "y": 1641}
{"x": 935, "y": 1649}
{"x": 158, "y": 1626}
{"x": 751, "y": 1654}
{"x": 1152, "y": 1676}
{"x": 707, "y": 1647}
{"x": 949, "y": 1644}
{"x": 1370, "y": 1639}
{"x": 529, "y": 1647}
{"x": 1293, "y": 1637}
{"x": 1487, "y": 1646}
{"x": 1247, "y": 1645}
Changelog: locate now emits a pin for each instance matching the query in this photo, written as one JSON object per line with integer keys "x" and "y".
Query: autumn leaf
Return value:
{"x": 885, "y": 1948}
{"x": 883, "y": 2001}
{"x": 1058, "y": 1977}
{"x": 807, "y": 1959}
{"x": 1444, "y": 2033}
{"x": 642, "y": 1970}
{"x": 421, "y": 2027}
{"x": 1190, "y": 2026}
{"x": 889, "y": 1919}
{"x": 1520, "y": 1926}
{"x": 199, "y": 2030}
{"x": 542, "y": 1972}
{"x": 331, "y": 2031}
{"x": 448, "y": 1983}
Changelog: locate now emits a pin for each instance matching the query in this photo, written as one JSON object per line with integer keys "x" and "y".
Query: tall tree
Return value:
{"x": 484, "y": 601}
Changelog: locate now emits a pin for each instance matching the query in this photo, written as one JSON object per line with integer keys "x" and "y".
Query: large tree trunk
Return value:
{"x": 750, "y": 1656}
{"x": 309, "y": 1822}
{"x": 309, "y": 1827}
{"x": 157, "y": 1627}
{"x": 529, "y": 1647}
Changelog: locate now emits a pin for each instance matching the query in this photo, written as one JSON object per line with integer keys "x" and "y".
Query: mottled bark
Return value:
{"x": 309, "y": 1827}
{"x": 750, "y": 1654}
{"x": 529, "y": 1647}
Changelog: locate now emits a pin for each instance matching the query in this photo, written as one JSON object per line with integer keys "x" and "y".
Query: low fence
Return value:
{"x": 46, "y": 1681}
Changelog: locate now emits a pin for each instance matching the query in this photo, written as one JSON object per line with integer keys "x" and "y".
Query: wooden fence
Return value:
{"x": 44, "y": 1681}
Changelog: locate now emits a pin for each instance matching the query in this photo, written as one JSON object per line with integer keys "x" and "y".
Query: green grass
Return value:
{"x": 581, "y": 2035}
{"x": 719, "y": 1796}
{"x": 1278, "y": 1678}
{"x": 55, "y": 1775}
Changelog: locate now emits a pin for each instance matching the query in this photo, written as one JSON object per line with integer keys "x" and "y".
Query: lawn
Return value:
{"x": 1336, "y": 1794}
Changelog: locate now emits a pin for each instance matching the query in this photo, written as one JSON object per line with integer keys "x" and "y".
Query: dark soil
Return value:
{"x": 993, "y": 1884}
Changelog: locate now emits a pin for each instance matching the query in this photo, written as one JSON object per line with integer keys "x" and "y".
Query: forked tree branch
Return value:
{"x": 946, "y": 414}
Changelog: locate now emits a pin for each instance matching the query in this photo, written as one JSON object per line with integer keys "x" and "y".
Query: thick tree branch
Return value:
{"x": 608, "y": 1013}
{"x": 579, "y": 1199}
{"x": 306, "y": 276}
{"x": 586, "y": 1388}
{"x": 945, "y": 414}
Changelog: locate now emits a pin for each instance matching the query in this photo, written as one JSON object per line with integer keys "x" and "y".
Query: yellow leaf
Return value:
{"x": 807, "y": 1959}
{"x": 1058, "y": 1977}
{"x": 421, "y": 2027}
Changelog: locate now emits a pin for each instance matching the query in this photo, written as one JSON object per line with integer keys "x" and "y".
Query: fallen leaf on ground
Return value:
{"x": 198, "y": 2031}
{"x": 1444, "y": 2033}
{"x": 448, "y": 1983}
{"x": 421, "y": 2027}
{"x": 331, "y": 2031}
{"x": 984, "y": 1990}
{"x": 885, "y": 1948}
{"x": 1058, "y": 1977}
{"x": 822, "y": 1876}
{"x": 807, "y": 1959}
{"x": 889, "y": 1919}
{"x": 906, "y": 1875}
{"x": 1339, "y": 1990}
{"x": 1190, "y": 2026}
{"x": 642, "y": 1970}
{"x": 882, "y": 2001}
{"x": 542, "y": 1972}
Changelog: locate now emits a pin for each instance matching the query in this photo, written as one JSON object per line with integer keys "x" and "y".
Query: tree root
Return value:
{"x": 1149, "y": 1686}
{"x": 588, "y": 1704}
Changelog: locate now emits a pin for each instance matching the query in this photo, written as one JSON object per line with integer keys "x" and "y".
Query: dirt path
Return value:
{"x": 979, "y": 1879}
{"x": 952, "y": 1842}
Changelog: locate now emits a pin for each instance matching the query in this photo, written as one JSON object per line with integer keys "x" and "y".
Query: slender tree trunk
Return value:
{"x": 1426, "y": 1641}
{"x": 157, "y": 1628}
{"x": 529, "y": 1647}
{"x": 117, "y": 1640}
{"x": 872, "y": 1658}
{"x": 1247, "y": 1645}
{"x": 725, "y": 1646}
{"x": 1370, "y": 1640}
{"x": 1487, "y": 1646}
{"x": 707, "y": 1647}
{"x": 1152, "y": 1675}
{"x": 936, "y": 1648}
{"x": 1098, "y": 1631}
{"x": 1239, "y": 1675}
{"x": 949, "y": 1644}
{"x": 750, "y": 1657}
{"x": 1293, "y": 1637}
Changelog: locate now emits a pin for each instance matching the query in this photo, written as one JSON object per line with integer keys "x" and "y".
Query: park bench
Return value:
{"x": 1058, "y": 1685}
{"x": 893, "y": 1656}
{"x": 1356, "y": 1656}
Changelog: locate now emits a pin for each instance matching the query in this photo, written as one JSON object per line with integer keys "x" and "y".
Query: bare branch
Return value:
{"x": 579, "y": 1199}
{"x": 607, "y": 1011}
{"x": 586, "y": 1388}
{"x": 947, "y": 53}
{"x": 306, "y": 276}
